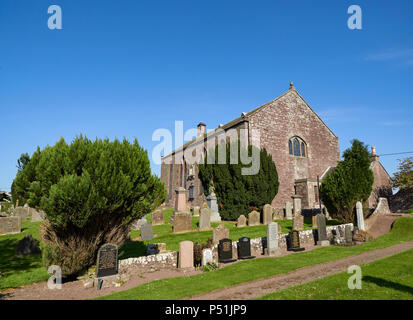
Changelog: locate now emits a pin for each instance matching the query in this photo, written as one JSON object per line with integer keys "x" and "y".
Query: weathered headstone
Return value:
{"x": 10, "y": 225}
{"x": 360, "y": 217}
{"x": 278, "y": 214}
{"x": 37, "y": 215}
{"x": 241, "y": 221}
{"x": 267, "y": 214}
{"x": 244, "y": 248}
{"x": 205, "y": 219}
{"x": 186, "y": 255}
{"x": 107, "y": 262}
{"x": 322, "y": 231}
{"x": 219, "y": 233}
{"x": 288, "y": 210}
{"x": 348, "y": 235}
{"x": 196, "y": 211}
{"x": 213, "y": 205}
{"x": 296, "y": 204}
{"x": 272, "y": 240}
{"x": 298, "y": 222}
{"x": 22, "y": 212}
{"x": 157, "y": 218}
{"x": 181, "y": 222}
{"x": 225, "y": 251}
{"x": 146, "y": 232}
{"x": 254, "y": 218}
{"x": 207, "y": 256}
{"x": 294, "y": 241}
{"x": 136, "y": 225}
{"x": 180, "y": 200}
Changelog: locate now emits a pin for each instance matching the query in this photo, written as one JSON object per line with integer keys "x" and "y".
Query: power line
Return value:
{"x": 392, "y": 154}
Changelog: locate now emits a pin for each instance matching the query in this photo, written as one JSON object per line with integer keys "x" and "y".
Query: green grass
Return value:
{"x": 180, "y": 287}
{"x": 164, "y": 234}
{"x": 14, "y": 271}
{"x": 385, "y": 279}
{"x": 410, "y": 211}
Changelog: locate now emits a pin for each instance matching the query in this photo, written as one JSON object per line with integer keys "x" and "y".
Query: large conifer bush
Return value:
{"x": 351, "y": 181}
{"x": 237, "y": 193}
{"x": 91, "y": 191}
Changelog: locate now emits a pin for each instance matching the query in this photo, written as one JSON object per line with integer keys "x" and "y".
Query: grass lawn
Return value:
{"x": 385, "y": 279}
{"x": 15, "y": 271}
{"x": 180, "y": 287}
{"x": 164, "y": 234}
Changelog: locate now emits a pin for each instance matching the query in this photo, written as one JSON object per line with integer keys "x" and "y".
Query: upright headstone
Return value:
{"x": 10, "y": 225}
{"x": 348, "y": 235}
{"x": 146, "y": 232}
{"x": 139, "y": 223}
{"x": 196, "y": 211}
{"x": 219, "y": 233}
{"x": 107, "y": 262}
{"x": 277, "y": 214}
{"x": 272, "y": 239}
{"x": 241, "y": 221}
{"x": 225, "y": 251}
{"x": 267, "y": 214}
{"x": 288, "y": 210}
{"x": 360, "y": 217}
{"x": 207, "y": 256}
{"x": 244, "y": 248}
{"x": 186, "y": 255}
{"x": 157, "y": 218}
{"x": 180, "y": 200}
{"x": 298, "y": 219}
{"x": 322, "y": 231}
{"x": 205, "y": 219}
{"x": 213, "y": 205}
{"x": 254, "y": 218}
{"x": 181, "y": 222}
{"x": 294, "y": 241}
{"x": 298, "y": 222}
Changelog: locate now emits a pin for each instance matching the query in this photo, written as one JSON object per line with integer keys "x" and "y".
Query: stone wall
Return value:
{"x": 169, "y": 260}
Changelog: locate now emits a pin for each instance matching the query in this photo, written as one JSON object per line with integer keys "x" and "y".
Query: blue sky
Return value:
{"x": 126, "y": 68}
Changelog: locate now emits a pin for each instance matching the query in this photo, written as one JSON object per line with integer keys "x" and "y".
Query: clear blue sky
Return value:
{"x": 126, "y": 68}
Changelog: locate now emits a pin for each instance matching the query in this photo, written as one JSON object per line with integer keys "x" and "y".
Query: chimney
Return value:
{"x": 201, "y": 129}
{"x": 374, "y": 156}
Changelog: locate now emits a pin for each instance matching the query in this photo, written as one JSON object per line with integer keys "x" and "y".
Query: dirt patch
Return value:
{"x": 257, "y": 288}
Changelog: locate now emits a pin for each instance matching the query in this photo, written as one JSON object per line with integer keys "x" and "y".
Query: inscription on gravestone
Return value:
{"x": 107, "y": 263}
{"x": 225, "y": 251}
{"x": 322, "y": 230}
{"x": 294, "y": 237}
{"x": 244, "y": 248}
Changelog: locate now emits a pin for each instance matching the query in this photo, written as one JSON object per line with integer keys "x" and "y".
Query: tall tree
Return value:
{"x": 403, "y": 178}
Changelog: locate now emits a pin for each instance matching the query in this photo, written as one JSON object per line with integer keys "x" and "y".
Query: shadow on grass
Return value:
{"x": 389, "y": 284}
{"x": 132, "y": 249}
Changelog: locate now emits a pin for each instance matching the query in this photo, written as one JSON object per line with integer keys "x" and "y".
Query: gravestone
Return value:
{"x": 219, "y": 233}
{"x": 360, "y": 217}
{"x": 241, "y": 221}
{"x": 22, "y": 212}
{"x": 244, "y": 248}
{"x": 146, "y": 232}
{"x": 314, "y": 221}
{"x": 288, "y": 210}
{"x": 37, "y": 215}
{"x": 213, "y": 205}
{"x": 157, "y": 218}
{"x": 254, "y": 218}
{"x": 298, "y": 222}
{"x": 278, "y": 214}
{"x": 186, "y": 255}
{"x": 322, "y": 231}
{"x": 267, "y": 214}
{"x": 294, "y": 241}
{"x": 10, "y": 225}
{"x": 196, "y": 211}
{"x": 296, "y": 204}
{"x": 272, "y": 240}
{"x": 225, "y": 251}
{"x": 207, "y": 256}
{"x": 181, "y": 222}
{"x": 180, "y": 200}
{"x": 348, "y": 235}
{"x": 136, "y": 225}
{"x": 205, "y": 219}
{"x": 107, "y": 263}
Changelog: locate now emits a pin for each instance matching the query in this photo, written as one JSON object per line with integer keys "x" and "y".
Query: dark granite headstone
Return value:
{"x": 225, "y": 251}
{"x": 107, "y": 263}
{"x": 321, "y": 227}
{"x": 244, "y": 248}
{"x": 146, "y": 231}
{"x": 294, "y": 243}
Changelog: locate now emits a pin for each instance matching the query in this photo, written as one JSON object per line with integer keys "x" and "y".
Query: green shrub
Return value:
{"x": 91, "y": 191}
{"x": 351, "y": 181}
{"x": 237, "y": 193}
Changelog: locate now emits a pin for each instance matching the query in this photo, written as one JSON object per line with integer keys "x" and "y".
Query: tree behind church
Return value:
{"x": 239, "y": 194}
{"x": 351, "y": 181}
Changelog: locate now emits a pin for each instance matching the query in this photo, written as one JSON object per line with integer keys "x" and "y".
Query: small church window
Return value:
{"x": 290, "y": 147}
{"x": 296, "y": 147}
{"x": 302, "y": 149}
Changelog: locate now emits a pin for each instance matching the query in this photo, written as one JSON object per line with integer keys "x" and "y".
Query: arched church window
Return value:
{"x": 290, "y": 147}
{"x": 296, "y": 147}
{"x": 302, "y": 149}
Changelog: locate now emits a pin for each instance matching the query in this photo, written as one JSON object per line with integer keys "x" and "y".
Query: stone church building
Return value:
{"x": 301, "y": 145}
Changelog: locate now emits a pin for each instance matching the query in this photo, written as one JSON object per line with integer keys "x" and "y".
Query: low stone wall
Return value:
{"x": 169, "y": 260}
